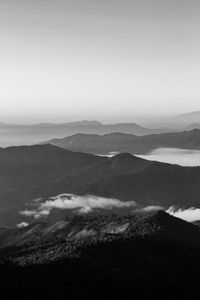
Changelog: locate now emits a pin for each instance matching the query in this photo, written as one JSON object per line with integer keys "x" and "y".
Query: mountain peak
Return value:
{"x": 124, "y": 155}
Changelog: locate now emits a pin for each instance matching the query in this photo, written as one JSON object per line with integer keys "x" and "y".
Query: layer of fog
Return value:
{"x": 191, "y": 214}
{"x": 181, "y": 157}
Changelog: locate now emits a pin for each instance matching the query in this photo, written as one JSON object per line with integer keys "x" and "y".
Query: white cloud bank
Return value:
{"x": 69, "y": 201}
{"x": 191, "y": 214}
{"x": 88, "y": 203}
{"x": 28, "y": 213}
{"x": 23, "y": 224}
{"x": 83, "y": 204}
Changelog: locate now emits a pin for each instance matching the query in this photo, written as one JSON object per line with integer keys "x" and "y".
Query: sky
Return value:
{"x": 106, "y": 60}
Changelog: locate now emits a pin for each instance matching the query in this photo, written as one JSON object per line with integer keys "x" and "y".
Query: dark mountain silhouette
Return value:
{"x": 25, "y": 167}
{"x": 157, "y": 224}
{"x": 152, "y": 255}
{"x": 126, "y": 177}
{"x": 120, "y": 142}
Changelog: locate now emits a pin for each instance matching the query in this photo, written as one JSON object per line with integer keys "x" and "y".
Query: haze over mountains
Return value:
{"x": 182, "y": 121}
{"x": 27, "y": 134}
{"x": 16, "y": 134}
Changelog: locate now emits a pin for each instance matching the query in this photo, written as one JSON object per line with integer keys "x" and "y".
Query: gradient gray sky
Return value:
{"x": 99, "y": 59}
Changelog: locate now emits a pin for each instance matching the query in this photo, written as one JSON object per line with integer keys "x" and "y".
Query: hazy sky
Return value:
{"x": 99, "y": 59}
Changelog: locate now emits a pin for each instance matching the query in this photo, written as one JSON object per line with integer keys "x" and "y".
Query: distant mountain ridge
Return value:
{"x": 119, "y": 142}
{"x": 28, "y": 134}
{"x": 178, "y": 122}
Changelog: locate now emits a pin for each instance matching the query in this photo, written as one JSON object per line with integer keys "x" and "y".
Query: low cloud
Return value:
{"x": 87, "y": 203}
{"x": 23, "y": 224}
{"x": 81, "y": 204}
{"x": 150, "y": 208}
{"x": 28, "y": 213}
{"x": 191, "y": 214}
{"x": 41, "y": 213}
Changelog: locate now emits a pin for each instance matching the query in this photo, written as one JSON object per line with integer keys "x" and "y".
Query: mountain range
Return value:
{"x": 119, "y": 142}
{"x": 32, "y": 176}
{"x": 77, "y": 225}
{"x": 28, "y": 134}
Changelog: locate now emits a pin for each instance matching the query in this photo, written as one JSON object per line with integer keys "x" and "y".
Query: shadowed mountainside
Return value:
{"x": 157, "y": 224}
{"x": 147, "y": 254}
{"x": 41, "y": 171}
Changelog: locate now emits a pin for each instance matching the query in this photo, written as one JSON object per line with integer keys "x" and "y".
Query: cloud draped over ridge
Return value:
{"x": 191, "y": 214}
{"x": 88, "y": 203}
{"x": 83, "y": 204}
{"x": 68, "y": 201}
{"x": 149, "y": 208}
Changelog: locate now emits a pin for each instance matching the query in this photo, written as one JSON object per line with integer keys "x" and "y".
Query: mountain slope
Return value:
{"x": 22, "y": 168}
{"x": 149, "y": 255}
{"x": 150, "y": 183}
{"x": 155, "y": 224}
{"x": 44, "y": 171}
{"x": 119, "y": 142}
